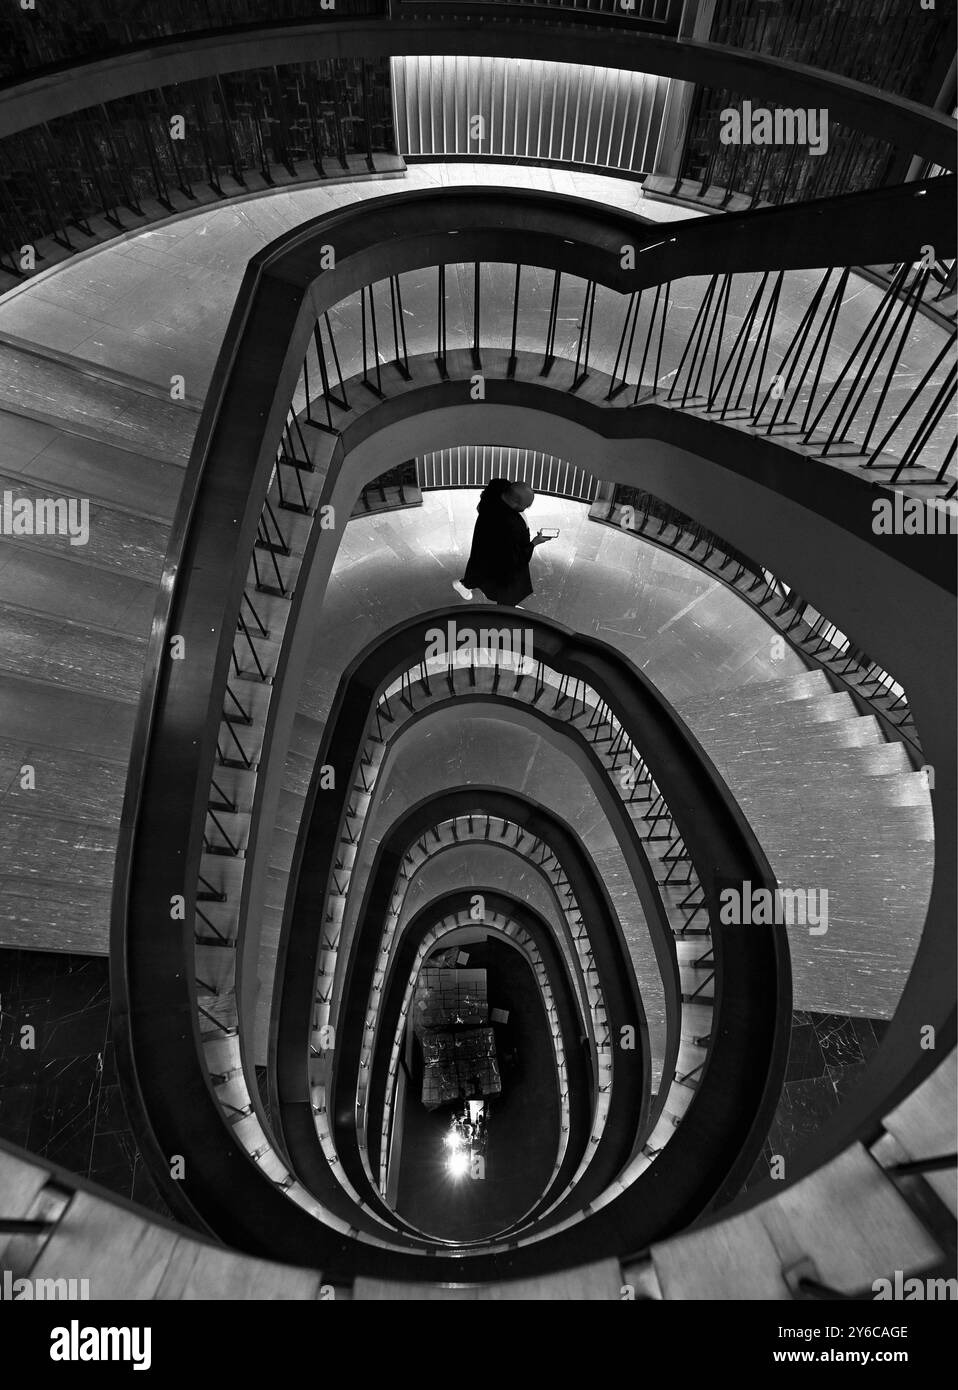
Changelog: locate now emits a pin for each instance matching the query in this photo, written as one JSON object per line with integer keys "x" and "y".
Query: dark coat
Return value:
{"x": 501, "y": 549}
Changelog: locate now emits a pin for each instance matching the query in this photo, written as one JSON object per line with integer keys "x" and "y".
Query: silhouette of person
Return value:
{"x": 501, "y": 545}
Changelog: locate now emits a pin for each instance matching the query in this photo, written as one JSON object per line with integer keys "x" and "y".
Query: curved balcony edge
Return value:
{"x": 917, "y": 129}
{"x": 217, "y": 497}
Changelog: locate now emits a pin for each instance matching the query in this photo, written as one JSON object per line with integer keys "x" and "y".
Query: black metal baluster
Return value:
{"x": 476, "y": 317}
{"x": 790, "y": 362}
{"x": 737, "y": 350}
{"x": 511, "y": 367}
{"x": 585, "y": 336}
{"x": 691, "y": 344}
{"x": 441, "y": 321}
{"x": 399, "y": 328}
{"x": 766, "y": 333}
{"x": 549, "y": 356}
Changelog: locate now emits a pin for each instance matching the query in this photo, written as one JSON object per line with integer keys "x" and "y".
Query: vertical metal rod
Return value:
{"x": 476, "y": 317}
{"x": 928, "y": 425}
{"x": 720, "y": 300}
{"x": 650, "y": 333}
{"x": 907, "y": 304}
{"x": 768, "y": 330}
{"x": 323, "y": 374}
{"x": 585, "y": 335}
{"x": 441, "y": 320}
{"x": 790, "y": 361}
{"x": 401, "y": 359}
{"x": 917, "y": 292}
{"x": 876, "y": 354}
{"x": 631, "y": 316}
{"x": 736, "y": 352}
{"x": 339, "y": 370}
{"x": 947, "y": 347}
{"x": 372, "y": 320}
{"x": 511, "y": 369}
{"x": 840, "y": 378}
{"x": 828, "y": 329}
{"x": 549, "y": 357}
{"x": 691, "y": 344}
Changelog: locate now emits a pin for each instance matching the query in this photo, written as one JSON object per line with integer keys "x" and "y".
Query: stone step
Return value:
{"x": 49, "y": 648}
{"x": 78, "y": 395}
{"x": 845, "y": 784}
{"x": 21, "y": 1184}
{"x": 925, "y": 1125}
{"x": 67, "y": 783}
{"x": 802, "y": 686}
{"x": 55, "y": 915}
{"x": 818, "y": 706}
{"x": 846, "y": 1219}
{"x": 747, "y": 730}
{"x": 126, "y": 1256}
{"x": 600, "y": 1282}
{"x": 51, "y": 459}
{"x": 31, "y": 844}
{"x": 822, "y": 762}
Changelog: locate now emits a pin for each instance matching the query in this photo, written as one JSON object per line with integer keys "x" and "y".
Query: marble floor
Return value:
{"x": 158, "y": 301}
{"x": 59, "y": 1097}
{"x": 828, "y": 1054}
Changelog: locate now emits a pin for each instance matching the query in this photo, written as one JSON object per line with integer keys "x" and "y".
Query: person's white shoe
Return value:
{"x": 462, "y": 591}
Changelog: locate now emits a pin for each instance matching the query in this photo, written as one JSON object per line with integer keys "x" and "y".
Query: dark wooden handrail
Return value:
{"x": 630, "y": 1093}
{"x": 915, "y": 129}
{"x": 450, "y": 903}
{"x": 721, "y": 1134}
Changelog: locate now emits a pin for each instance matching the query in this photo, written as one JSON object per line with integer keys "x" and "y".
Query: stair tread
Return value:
{"x": 926, "y": 1126}
{"x": 594, "y": 1282}
{"x": 798, "y": 687}
{"x": 20, "y": 1184}
{"x": 847, "y": 1218}
{"x": 854, "y": 1223}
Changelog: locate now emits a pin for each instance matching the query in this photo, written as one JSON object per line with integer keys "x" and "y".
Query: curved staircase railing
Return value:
{"x": 460, "y": 831}
{"x": 620, "y": 1079}
{"x": 106, "y": 27}
{"x": 334, "y": 1021}
{"x": 235, "y": 468}
{"x": 665, "y": 876}
{"x": 692, "y": 837}
{"x": 175, "y": 109}
{"x": 808, "y": 632}
{"x": 556, "y": 31}
{"x": 503, "y": 916}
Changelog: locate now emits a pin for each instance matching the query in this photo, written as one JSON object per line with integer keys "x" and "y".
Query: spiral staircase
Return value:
{"x": 254, "y": 765}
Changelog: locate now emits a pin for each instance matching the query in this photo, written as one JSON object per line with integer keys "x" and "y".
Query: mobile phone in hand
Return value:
{"x": 549, "y": 532}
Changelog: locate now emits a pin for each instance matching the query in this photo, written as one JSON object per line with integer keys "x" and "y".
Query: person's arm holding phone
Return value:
{"x": 548, "y": 533}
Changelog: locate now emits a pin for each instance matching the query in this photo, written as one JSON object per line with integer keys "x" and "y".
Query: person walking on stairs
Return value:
{"x": 501, "y": 545}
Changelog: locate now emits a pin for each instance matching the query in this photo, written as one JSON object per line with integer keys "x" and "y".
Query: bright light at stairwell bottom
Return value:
{"x": 458, "y": 1163}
